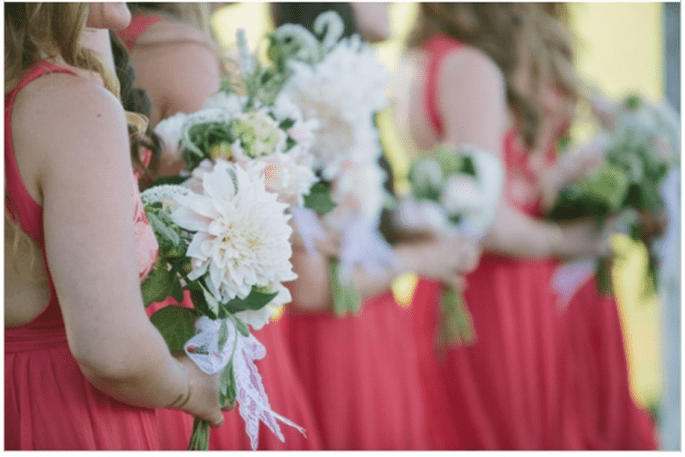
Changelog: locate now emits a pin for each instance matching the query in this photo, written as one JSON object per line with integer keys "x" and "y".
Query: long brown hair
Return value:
{"x": 504, "y": 31}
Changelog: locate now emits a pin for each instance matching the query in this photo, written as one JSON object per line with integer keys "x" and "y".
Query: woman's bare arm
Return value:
{"x": 84, "y": 179}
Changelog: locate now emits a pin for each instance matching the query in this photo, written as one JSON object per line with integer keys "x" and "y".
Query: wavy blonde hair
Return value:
{"x": 503, "y": 31}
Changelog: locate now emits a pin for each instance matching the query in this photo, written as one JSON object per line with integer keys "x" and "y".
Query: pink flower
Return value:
{"x": 148, "y": 249}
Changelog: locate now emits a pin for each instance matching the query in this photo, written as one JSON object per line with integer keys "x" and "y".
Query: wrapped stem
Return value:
{"x": 346, "y": 298}
{"x": 455, "y": 325}
{"x": 199, "y": 440}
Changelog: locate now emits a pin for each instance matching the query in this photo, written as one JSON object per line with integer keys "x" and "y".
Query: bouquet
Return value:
{"x": 223, "y": 230}
{"x": 454, "y": 191}
{"x": 228, "y": 245}
{"x": 339, "y": 83}
{"x": 642, "y": 142}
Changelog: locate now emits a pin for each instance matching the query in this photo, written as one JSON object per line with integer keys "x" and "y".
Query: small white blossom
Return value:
{"x": 170, "y": 131}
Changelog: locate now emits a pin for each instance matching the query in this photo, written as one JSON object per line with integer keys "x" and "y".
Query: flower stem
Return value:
{"x": 199, "y": 440}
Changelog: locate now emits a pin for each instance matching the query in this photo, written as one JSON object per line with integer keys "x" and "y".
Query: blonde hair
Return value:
{"x": 503, "y": 31}
{"x": 39, "y": 31}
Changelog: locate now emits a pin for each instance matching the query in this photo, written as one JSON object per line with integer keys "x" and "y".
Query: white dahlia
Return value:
{"x": 343, "y": 92}
{"x": 241, "y": 234}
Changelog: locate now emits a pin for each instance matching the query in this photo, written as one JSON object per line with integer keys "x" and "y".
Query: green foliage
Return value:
{"x": 254, "y": 301}
{"x": 157, "y": 286}
{"x": 176, "y": 324}
{"x": 319, "y": 198}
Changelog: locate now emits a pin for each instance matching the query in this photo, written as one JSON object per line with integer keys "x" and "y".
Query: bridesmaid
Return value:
{"x": 177, "y": 64}
{"x": 83, "y": 365}
{"x": 501, "y": 77}
{"x": 360, "y": 370}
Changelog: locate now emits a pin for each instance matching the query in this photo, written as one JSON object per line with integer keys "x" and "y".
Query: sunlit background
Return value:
{"x": 619, "y": 49}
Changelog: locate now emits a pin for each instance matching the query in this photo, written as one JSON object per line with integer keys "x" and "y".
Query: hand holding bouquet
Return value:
{"x": 641, "y": 142}
{"x": 455, "y": 191}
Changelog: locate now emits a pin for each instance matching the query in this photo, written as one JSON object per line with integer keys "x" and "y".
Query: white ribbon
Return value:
{"x": 569, "y": 278}
{"x": 362, "y": 244}
{"x": 203, "y": 349}
{"x": 309, "y": 228}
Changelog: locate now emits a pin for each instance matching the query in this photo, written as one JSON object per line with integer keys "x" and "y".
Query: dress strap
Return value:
{"x": 21, "y": 206}
{"x": 437, "y": 47}
{"x": 139, "y": 24}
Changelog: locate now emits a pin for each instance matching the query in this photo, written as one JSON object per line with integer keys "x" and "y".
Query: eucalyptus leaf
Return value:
{"x": 176, "y": 324}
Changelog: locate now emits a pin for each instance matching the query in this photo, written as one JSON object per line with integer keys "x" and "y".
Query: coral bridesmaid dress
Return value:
{"x": 536, "y": 377}
{"x": 49, "y": 404}
{"x": 360, "y": 374}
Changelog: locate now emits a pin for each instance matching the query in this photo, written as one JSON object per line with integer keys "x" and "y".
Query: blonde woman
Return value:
{"x": 500, "y": 76}
{"x": 84, "y": 367}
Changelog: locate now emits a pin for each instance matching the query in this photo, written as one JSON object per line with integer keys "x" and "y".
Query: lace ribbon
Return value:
{"x": 203, "y": 349}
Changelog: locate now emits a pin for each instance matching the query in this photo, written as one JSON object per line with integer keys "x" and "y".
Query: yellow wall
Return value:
{"x": 620, "y": 49}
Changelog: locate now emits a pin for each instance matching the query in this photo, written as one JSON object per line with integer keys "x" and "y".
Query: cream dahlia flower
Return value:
{"x": 241, "y": 234}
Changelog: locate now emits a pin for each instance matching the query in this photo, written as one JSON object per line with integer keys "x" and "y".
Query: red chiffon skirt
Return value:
{"x": 536, "y": 377}
{"x": 50, "y": 405}
{"x": 360, "y": 374}
{"x": 601, "y": 411}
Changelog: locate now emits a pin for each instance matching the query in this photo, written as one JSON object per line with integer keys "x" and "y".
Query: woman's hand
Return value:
{"x": 203, "y": 399}
{"x": 446, "y": 259}
{"x": 570, "y": 168}
{"x": 583, "y": 238}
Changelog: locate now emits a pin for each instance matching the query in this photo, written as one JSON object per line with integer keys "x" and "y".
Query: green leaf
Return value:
{"x": 468, "y": 167}
{"x": 157, "y": 286}
{"x": 161, "y": 229}
{"x": 203, "y": 300}
{"x": 223, "y": 335}
{"x": 177, "y": 291}
{"x": 319, "y": 199}
{"x": 289, "y": 143}
{"x": 254, "y": 301}
{"x": 286, "y": 124}
{"x": 176, "y": 324}
{"x": 227, "y": 387}
{"x": 241, "y": 326}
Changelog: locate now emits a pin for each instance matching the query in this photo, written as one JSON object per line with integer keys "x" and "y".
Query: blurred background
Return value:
{"x": 621, "y": 48}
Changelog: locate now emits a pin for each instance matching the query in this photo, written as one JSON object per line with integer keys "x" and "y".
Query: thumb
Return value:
{"x": 218, "y": 420}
